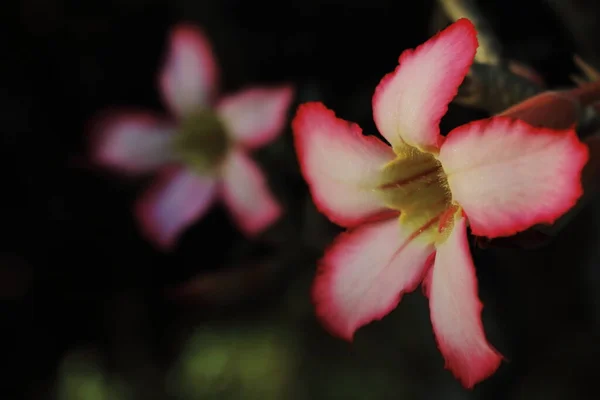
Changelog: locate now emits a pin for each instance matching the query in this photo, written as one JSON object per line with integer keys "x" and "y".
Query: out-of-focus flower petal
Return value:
{"x": 409, "y": 103}
{"x": 451, "y": 286}
{"x": 508, "y": 175}
{"x": 188, "y": 78}
{"x": 365, "y": 272}
{"x": 132, "y": 143}
{"x": 340, "y": 164}
{"x": 255, "y": 117}
{"x": 175, "y": 201}
{"x": 247, "y": 194}
{"x": 550, "y": 109}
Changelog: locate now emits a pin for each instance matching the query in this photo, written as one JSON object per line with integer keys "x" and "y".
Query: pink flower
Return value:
{"x": 202, "y": 154}
{"x": 499, "y": 176}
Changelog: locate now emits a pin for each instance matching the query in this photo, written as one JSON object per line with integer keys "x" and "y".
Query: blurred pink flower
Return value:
{"x": 408, "y": 206}
{"x": 201, "y": 154}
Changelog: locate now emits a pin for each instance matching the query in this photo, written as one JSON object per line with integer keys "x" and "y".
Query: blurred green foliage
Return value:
{"x": 82, "y": 377}
{"x": 232, "y": 362}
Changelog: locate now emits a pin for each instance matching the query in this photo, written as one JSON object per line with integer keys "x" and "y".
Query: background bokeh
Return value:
{"x": 94, "y": 312}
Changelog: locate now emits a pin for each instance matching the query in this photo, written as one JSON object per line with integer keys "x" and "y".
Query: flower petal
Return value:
{"x": 551, "y": 109}
{"x": 410, "y": 102}
{"x": 188, "y": 78}
{"x": 175, "y": 201}
{"x": 455, "y": 308}
{"x": 132, "y": 143}
{"x": 365, "y": 272}
{"x": 508, "y": 175}
{"x": 255, "y": 117}
{"x": 247, "y": 194}
{"x": 590, "y": 180}
{"x": 340, "y": 164}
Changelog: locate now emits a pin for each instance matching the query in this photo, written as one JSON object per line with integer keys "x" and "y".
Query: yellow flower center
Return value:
{"x": 415, "y": 185}
{"x": 201, "y": 141}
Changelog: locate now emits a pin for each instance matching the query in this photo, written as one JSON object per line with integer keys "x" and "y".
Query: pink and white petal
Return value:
{"x": 247, "y": 195}
{"x": 132, "y": 143}
{"x": 364, "y": 274}
{"x": 508, "y": 175}
{"x": 255, "y": 117}
{"x": 340, "y": 164}
{"x": 409, "y": 103}
{"x": 189, "y": 75}
{"x": 455, "y": 309}
{"x": 175, "y": 201}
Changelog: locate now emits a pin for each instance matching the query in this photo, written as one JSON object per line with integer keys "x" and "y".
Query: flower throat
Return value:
{"x": 201, "y": 141}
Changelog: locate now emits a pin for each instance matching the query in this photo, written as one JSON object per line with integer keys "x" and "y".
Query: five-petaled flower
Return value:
{"x": 499, "y": 176}
{"x": 202, "y": 155}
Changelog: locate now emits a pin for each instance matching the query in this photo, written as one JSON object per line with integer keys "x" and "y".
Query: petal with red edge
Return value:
{"x": 176, "y": 200}
{"x": 508, "y": 175}
{"x": 188, "y": 78}
{"x": 364, "y": 273}
{"x": 456, "y": 310}
{"x": 247, "y": 194}
{"x": 410, "y": 102}
{"x": 132, "y": 143}
{"x": 341, "y": 165}
{"x": 255, "y": 117}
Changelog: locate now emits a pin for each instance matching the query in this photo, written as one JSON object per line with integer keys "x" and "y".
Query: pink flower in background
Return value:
{"x": 201, "y": 154}
{"x": 408, "y": 206}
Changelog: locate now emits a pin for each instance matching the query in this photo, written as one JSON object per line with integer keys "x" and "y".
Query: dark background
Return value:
{"x": 92, "y": 311}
